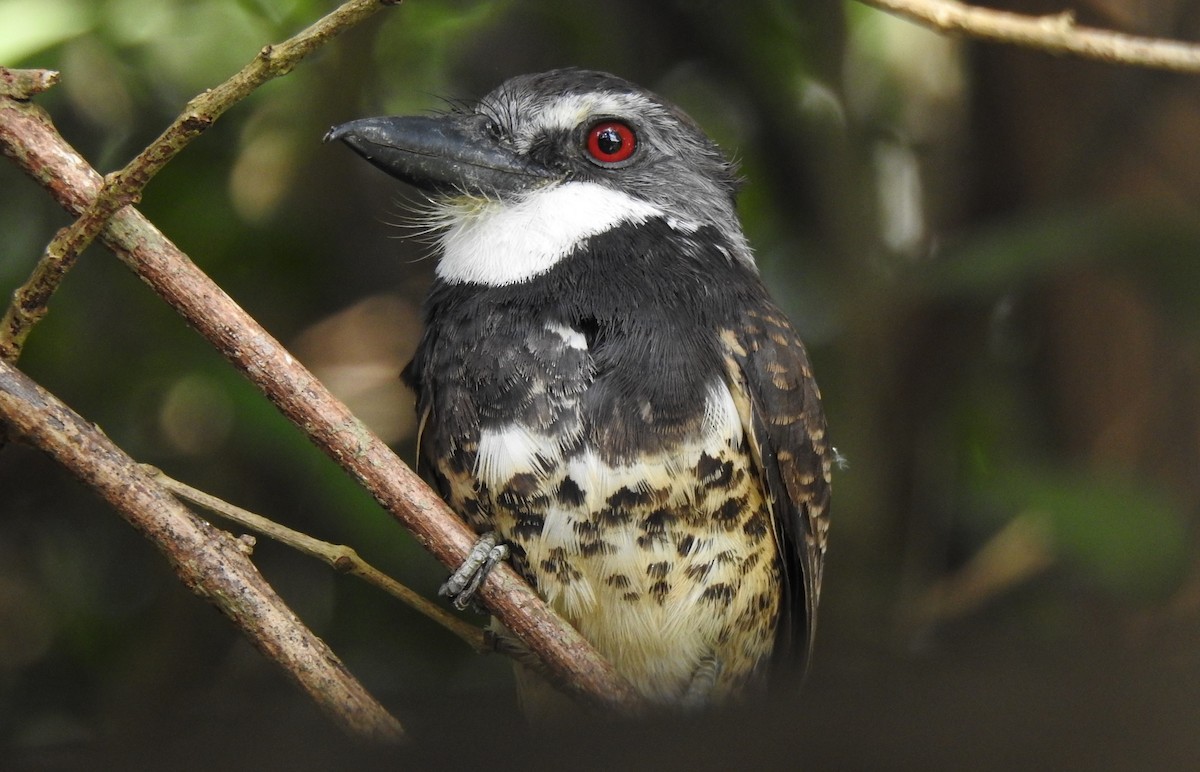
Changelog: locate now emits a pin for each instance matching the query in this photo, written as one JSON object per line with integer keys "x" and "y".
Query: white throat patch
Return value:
{"x": 498, "y": 243}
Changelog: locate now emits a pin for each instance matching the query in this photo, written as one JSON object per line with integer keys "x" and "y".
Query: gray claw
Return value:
{"x": 704, "y": 680}
{"x": 464, "y": 583}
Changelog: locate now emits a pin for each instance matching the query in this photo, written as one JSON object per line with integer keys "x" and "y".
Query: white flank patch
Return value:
{"x": 500, "y": 243}
{"x": 572, "y": 337}
{"x": 721, "y": 416}
{"x": 506, "y": 452}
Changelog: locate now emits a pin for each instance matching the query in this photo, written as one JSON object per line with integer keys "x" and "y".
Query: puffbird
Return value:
{"x": 606, "y": 391}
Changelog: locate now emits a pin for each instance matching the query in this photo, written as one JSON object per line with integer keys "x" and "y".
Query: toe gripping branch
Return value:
{"x": 464, "y": 583}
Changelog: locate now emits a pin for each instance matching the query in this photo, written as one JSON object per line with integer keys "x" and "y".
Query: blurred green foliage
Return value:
{"x": 992, "y": 254}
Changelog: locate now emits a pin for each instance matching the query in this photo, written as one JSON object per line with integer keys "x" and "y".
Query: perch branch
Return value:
{"x": 27, "y": 137}
{"x": 1055, "y": 34}
{"x": 338, "y": 556}
{"x": 208, "y": 561}
{"x": 125, "y": 186}
{"x": 24, "y": 84}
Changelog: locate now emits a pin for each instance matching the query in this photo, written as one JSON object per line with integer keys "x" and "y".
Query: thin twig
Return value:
{"x": 1055, "y": 34}
{"x": 1022, "y": 550}
{"x": 27, "y": 137}
{"x": 125, "y": 186}
{"x": 338, "y": 556}
{"x": 208, "y": 561}
{"x": 25, "y": 84}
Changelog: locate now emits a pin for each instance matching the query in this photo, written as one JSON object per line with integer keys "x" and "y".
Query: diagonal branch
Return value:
{"x": 125, "y": 186}
{"x": 1056, "y": 34}
{"x": 338, "y": 556}
{"x": 27, "y": 137}
{"x": 208, "y": 561}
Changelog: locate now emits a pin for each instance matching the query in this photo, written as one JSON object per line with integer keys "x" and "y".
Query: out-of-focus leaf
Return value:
{"x": 1027, "y": 250}
{"x": 1128, "y": 537}
{"x": 415, "y": 53}
{"x": 30, "y": 26}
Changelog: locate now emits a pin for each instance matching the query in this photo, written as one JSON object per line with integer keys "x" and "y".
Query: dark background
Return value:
{"x": 993, "y": 254}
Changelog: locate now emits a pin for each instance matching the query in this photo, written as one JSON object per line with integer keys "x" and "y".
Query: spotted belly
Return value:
{"x": 667, "y": 564}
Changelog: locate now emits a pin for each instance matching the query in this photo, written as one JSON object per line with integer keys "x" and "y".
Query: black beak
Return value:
{"x": 442, "y": 155}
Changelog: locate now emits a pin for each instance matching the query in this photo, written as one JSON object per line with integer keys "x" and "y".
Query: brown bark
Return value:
{"x": 27, "y": 137}
{"x": 208, "y": 561}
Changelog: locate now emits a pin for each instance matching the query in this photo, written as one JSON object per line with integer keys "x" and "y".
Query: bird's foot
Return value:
{"x": 483, "y": 557}
{"x": 699, "y": 691}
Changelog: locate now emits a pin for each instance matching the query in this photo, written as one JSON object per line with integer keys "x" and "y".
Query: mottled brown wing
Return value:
{"x": 781, "y": 412}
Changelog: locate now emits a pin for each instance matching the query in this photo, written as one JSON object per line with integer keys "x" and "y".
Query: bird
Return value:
{"x": 606, "y": 391}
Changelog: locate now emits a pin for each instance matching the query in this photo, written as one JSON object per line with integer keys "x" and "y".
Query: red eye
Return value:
{"x": 611, "y": 142}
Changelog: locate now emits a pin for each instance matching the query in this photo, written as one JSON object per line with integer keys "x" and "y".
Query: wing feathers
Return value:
{"x": 781, "y": 411}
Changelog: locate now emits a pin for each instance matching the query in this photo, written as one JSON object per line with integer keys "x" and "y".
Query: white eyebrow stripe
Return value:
{"x": 569, "y": 111}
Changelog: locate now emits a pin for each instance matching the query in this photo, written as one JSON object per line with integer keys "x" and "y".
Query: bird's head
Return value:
{"x": 546, "y": 161}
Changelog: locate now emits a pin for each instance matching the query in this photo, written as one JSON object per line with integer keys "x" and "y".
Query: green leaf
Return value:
{"x": 28, "y": 27}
